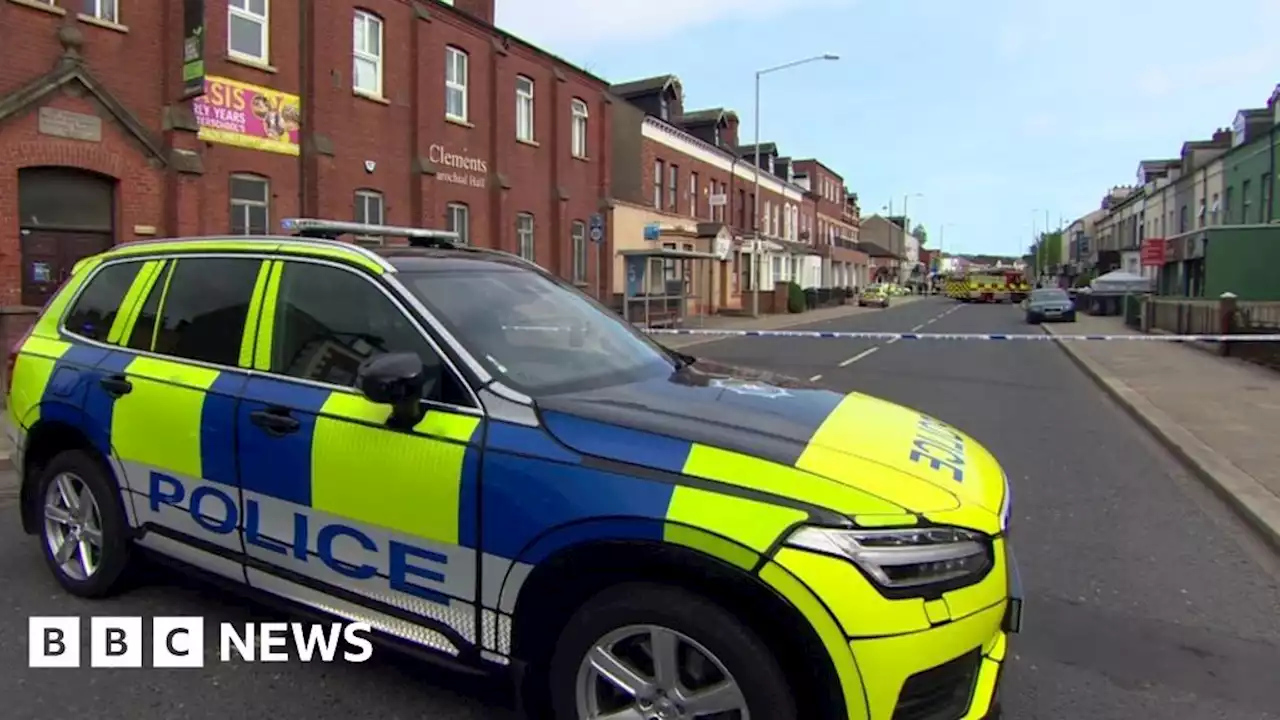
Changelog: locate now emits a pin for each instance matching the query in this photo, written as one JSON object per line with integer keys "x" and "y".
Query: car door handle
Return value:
{"x": 276, "y": 423}
{"x": 116, "y": 385}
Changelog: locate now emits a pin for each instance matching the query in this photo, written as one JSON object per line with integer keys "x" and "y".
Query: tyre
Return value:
{"x": 82, "y": 527}
{"x": 661, "y": 652}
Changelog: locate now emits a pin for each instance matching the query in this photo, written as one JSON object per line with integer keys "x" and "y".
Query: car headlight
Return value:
{"x": 911, "y": 560}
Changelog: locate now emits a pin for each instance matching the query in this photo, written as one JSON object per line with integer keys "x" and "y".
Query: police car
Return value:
{"x": 480, "y": 461}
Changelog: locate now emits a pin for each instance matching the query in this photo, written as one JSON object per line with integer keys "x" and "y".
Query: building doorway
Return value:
{"x": 64, "y": 215}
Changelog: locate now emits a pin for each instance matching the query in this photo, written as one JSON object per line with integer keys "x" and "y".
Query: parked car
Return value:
{"x": 874, "y": 295}
{"x": 1049, "y": 305}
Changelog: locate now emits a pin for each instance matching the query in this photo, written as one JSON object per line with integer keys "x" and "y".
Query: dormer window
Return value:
{"x": 717, "y": 136}
{"x": 665, "y": 108}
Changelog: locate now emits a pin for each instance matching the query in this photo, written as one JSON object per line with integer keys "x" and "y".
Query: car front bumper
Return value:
{"x": 939, "y": 659}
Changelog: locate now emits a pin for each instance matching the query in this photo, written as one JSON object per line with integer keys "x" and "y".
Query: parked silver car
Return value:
{"x": 1049, "y": 305}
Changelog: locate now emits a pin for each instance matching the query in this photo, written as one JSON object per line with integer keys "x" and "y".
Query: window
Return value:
{"x": 693, "y": 195}
{"x": 248, "y": 29}
{"x": 524, "y": 235}
{"x": 455, "y": 84}
{"x": 197, "y": 310}
{"x": 1214, "y": 210}
{"x": 330, "y": 320}
{"x": 96, "y": 308}
{"x": 366, "y": 75}
{"x": 673, "y": 187}
{"x": 369, "y": 211}
{"x": 1227, "y": 206}
{"x": 1245, "y": 202}
{"x": 658, "y": 169}
{"x": 668, "y": 264}
{"x": 457, "y": 218}
{"x": 524, "y": 109}
{"x": 664, "y": 110}
{"x": 578, "y": 141}
{"x": 102, "y": 9}
{"x": 1200, "y": 214}
{"x": 250, "y": 201}
{"x": 768, "y": 215}
{"x": 579, "y": 237}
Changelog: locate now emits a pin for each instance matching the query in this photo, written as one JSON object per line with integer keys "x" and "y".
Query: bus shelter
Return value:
{"x": 663, "y": 285}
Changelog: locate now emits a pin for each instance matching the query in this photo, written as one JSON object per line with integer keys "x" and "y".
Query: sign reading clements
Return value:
{"x": 458, "y": 169}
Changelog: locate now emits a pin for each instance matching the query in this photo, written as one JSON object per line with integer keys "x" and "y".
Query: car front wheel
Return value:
{"x": 655, "y": 652}
{"x": 82, "y": 527}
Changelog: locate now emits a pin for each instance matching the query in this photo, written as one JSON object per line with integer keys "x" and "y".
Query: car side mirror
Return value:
{"x": 400, "y": 380}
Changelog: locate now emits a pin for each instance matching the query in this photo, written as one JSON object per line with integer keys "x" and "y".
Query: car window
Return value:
{"x": 1051, "y": 295}
{"x": 99, "y": 303}
{"x": 329, "y": 320}
{"x": 536, "y": 334}
{"x": 197, "y": 309}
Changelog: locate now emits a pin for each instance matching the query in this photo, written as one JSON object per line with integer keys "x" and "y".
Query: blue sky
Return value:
{"x": 990, "y": 109}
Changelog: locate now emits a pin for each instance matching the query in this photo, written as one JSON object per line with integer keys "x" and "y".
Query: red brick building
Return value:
{"x": 685, "y": 172}
{"x": 393, "y": 111}
{"x": 836, "y": 225}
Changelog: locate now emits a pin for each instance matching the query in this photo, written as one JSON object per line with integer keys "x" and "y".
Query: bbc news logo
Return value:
{"x": 179, "y": 642}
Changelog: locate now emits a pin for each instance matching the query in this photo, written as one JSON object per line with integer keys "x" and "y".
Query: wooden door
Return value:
{"x": 48, "y": 257}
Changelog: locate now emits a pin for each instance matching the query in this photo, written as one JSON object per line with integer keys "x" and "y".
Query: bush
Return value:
{"x": 795, "y": 298}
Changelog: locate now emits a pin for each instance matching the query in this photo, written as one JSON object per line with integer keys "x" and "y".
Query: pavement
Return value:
{"x": 1147, "y": 595}
{"x": 1219, "y": 415}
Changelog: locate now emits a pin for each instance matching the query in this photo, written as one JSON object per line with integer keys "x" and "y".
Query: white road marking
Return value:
{"x": 933, "y": 320}
{"x": 914, "y": 329}
{"x": 815, "y": 378}
{"x": 892, "y": 341}
{"x": 858, "y": 357}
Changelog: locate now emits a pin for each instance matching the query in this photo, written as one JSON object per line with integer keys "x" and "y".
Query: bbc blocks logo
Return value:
{"x": 179, "y": 642}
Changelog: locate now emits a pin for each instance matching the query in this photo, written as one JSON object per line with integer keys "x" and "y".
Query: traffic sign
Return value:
{"x": 597, "y": 221}
{"x": 597, "y": 234}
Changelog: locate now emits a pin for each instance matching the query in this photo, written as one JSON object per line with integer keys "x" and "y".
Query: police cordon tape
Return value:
{"x": 858, "y": 335}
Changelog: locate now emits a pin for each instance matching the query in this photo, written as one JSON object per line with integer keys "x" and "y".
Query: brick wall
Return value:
{"x": 310, "y": 54}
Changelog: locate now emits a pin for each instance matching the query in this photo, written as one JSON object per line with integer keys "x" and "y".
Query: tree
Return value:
{"x": 920, "y": 234}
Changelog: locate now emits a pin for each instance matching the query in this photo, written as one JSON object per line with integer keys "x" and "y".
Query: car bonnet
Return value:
{"x": 853, "y": 441}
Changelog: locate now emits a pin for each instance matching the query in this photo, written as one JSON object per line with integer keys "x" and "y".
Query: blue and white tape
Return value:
{"x": 853, "y": 335}
{"x": 859, "y": 335}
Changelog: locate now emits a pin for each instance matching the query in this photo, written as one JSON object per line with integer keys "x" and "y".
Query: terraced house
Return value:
{"x": 1204, "y": 223}
{"x": 685, "y": 208}
{"x": 127, "y": 119}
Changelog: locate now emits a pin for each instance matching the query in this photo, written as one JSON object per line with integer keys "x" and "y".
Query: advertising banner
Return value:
{"x": 235, "y": 113}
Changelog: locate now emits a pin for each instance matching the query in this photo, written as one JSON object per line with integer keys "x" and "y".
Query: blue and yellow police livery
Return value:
{"x": 478, "y": 460}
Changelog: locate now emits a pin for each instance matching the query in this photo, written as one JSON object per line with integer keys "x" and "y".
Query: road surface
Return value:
{"x": 1146, "y": 597}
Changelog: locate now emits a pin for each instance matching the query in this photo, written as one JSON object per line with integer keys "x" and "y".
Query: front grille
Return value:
{"x": 940, "y": 693}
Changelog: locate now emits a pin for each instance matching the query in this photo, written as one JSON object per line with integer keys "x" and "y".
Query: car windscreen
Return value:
{"x": 534, "y": 334}
{"x": 1054, "y": 295}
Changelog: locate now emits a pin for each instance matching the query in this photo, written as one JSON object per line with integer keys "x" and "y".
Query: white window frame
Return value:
{"x": 525, "y": 236}
{"x": 242, "y": 204}
{"x": 362, "y": 21}
{"x": 525, "y": 87}
{"x": 457, "y": 217}
{"x": 578, "y": 235}
{"x": 693, "y": 194}
{"x": 659, "y": 173}
{"x": 578, "y": 128}
{"x": 455, "y": 58}
{"x": 263, "y": 21}
{"x": 100, "y": 8}
{"x": 362, "y": 201}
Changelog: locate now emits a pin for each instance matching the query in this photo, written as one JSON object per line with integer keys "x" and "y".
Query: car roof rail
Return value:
{"x": 320, "y": 229}
{"x": 333, "y": 229}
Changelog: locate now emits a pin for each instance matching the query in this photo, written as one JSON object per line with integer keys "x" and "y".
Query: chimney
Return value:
{"x": 729, "y": 137}
{"x": 479, "y": 9}
{"x": 1222, "y": 137}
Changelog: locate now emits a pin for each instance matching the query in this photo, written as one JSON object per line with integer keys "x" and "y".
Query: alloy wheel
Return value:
{"x": 649, "y": 672}
{"x": 73, "y": 526}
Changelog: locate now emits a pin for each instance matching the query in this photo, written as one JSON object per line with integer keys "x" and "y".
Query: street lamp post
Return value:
{"x": 755, "y": 202}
